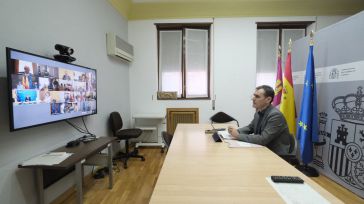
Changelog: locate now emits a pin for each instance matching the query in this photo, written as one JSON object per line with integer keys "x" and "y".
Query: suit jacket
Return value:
{"x": 272, "y": 131}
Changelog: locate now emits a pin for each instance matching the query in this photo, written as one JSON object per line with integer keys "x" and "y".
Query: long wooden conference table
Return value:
{"x": 198, "y": 170}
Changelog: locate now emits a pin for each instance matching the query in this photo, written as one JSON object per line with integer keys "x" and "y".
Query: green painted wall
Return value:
{"x": 229, "y": 8}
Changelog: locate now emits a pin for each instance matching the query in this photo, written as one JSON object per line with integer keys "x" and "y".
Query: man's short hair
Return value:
{"x": 268, "y": 91}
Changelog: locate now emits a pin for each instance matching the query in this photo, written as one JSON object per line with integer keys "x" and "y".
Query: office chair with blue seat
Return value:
{"x": 116, "y": 124}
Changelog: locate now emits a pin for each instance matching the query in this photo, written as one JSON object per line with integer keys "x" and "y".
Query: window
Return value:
{"x": 270, "y": 36}
{"x": 184, "y": 60}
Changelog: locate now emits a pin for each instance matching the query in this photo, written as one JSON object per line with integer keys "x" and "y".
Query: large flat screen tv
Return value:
{"x": 42, "y": 90}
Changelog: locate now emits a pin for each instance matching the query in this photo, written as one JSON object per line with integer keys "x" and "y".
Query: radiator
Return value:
{"x": 180, "y": 115}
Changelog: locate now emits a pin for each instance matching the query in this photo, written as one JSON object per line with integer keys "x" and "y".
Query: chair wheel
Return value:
{"x": 162, "y": 150}
{"x": 125, "y": 166}
{"x": 143, "y": 159}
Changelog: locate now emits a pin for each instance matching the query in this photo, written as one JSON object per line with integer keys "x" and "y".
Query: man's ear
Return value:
{"x": 270, "y": 99}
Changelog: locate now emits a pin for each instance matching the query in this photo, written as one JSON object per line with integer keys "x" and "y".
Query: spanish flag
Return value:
{"x": 287, "y": 103}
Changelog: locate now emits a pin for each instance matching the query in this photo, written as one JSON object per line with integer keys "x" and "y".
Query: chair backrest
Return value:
{"x": 292, "y": 144}
{"x": 167, "y": 138}
{"x": 222, "y": 117}
{"x": 291, "y": 156}
{"x": 116, "y": 122}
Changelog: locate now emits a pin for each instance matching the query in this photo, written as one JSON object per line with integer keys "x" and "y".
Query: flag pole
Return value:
{"x": 289, "y": 45}
{"x": 278, "y": 84}
{"x": 309, "y": 170}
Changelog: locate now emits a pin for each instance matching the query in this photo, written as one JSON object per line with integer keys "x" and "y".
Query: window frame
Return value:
{"x": 280, "y": 27}
{"x": 182, "y": 27}
{"x": 284, "y": 25}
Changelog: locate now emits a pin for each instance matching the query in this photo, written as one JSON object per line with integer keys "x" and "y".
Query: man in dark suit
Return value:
{"x": 269, "y": 127}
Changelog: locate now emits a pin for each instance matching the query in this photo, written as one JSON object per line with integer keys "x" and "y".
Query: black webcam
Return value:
{"x": 64, "y": 50}
{"x": 65, "y": 53}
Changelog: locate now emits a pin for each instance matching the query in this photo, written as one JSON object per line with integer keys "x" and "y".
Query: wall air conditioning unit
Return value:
{"x": 118, "y": 47}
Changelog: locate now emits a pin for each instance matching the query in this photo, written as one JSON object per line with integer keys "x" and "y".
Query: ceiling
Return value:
{"x": 173, "y": 9}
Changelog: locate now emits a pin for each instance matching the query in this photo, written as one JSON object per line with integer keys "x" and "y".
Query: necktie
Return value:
{"x": 26, "y": 82}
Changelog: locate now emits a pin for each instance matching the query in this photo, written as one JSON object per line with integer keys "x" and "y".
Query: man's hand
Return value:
{"x": 233, "y": 132}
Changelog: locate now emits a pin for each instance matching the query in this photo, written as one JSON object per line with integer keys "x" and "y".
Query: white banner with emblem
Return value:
{"x": 340, "y": 153}
{"x": 339, "y": 68}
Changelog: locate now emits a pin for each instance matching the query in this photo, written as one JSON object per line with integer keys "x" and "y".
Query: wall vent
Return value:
{"x": 180, "y": 115}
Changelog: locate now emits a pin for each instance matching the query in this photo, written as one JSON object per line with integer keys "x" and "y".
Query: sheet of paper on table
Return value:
{"x": 297, "y": 193}
{"x": 236, "y": 143}
{"x": 224, "y": 134}
{"x": 50, "y": 158}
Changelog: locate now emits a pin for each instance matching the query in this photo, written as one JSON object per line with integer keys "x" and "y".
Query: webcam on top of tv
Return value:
{"x": 65, "y": 53}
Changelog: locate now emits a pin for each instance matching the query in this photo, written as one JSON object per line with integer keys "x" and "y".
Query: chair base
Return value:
{"x": 308, "y": 170}
{"x": 124, "y": 157}
{"x": 291, "y": 159}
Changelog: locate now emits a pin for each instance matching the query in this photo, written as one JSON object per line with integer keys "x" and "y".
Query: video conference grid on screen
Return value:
{"x": 45, "y": 90}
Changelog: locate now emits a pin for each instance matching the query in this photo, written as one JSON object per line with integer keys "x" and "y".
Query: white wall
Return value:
{"x": 233, "y": 66}
{"x": 324, "y": 21}
{"x": 234, "y": 59}
{"x": 36, "y": 26}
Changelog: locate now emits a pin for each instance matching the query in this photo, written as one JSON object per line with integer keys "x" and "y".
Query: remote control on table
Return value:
{"x": 286, "y": 179}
